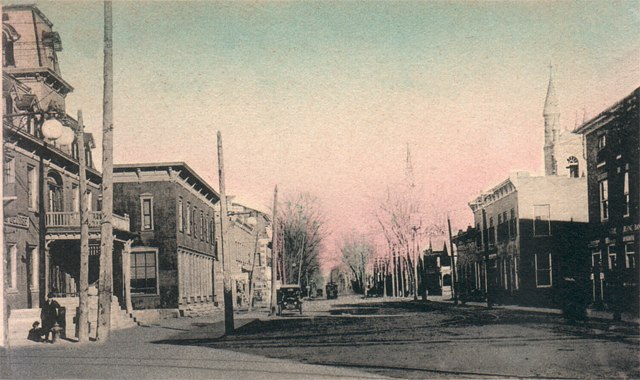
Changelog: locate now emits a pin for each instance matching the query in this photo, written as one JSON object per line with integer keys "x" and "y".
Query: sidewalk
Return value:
{"x": 160, "y": 350}
{"x": 594, "y": 314}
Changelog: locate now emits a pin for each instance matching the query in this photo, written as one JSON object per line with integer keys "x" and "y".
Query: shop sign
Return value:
{"x": 18, "y": 221}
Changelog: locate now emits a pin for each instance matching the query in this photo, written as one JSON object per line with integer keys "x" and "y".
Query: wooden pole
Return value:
{"x": 253, "y": 266}
{"x": 453, "y": 265}
{"x": 226, "y": 257}
{"x": 105, "y": 282}
{"x": 274, "y": 252}
{"x": 83, "y": 309}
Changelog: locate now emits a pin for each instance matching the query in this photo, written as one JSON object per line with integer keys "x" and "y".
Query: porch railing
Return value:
{"x": 70, "y": 219}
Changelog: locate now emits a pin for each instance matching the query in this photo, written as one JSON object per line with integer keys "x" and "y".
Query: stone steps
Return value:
{"x": 204, "y": 309}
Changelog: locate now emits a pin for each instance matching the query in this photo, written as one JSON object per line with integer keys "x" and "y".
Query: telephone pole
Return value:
{"x": 226, "y": 258}
{"x": 105, "y": 282}
{"x": 83, "y": 309}
{"x": 274, "y": 252}
{"x": 454, "y": 292}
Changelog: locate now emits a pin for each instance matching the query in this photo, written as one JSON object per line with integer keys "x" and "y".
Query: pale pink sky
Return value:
{"x": 323, "y": 97}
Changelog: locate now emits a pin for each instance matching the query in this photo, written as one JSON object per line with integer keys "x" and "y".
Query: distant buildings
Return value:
{"x": 613, "y": 161}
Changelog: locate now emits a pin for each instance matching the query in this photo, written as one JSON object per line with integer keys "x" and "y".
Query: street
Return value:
{"x": 349, "y": 338}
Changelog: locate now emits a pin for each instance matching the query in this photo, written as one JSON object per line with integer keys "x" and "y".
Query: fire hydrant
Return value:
{"x": 56, "y": 330}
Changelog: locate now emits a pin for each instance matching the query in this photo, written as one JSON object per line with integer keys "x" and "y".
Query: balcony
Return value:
{"x": 70, "y": 220}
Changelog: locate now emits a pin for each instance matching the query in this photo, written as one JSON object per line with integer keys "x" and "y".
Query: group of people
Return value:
{"x": 49, "y": 316}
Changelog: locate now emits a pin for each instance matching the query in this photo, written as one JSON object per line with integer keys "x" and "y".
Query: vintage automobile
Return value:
{"x": 289, "y": 298}
{"x": 332, "y": 290}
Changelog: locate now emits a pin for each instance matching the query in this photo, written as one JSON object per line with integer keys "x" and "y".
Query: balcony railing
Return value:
{"x": 70, "y": 219}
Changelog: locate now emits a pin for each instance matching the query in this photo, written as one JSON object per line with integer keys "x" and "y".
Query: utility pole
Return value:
{"x": 274, "y": 252}
{"x": 105, "y": 282}
{"x": 453, "y": 265}
{"x": 253, "y": 265}
{"x": 226, "y": 260}
{"x": 83, "y": 309}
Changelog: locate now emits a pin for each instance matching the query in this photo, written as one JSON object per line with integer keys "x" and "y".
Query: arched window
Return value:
{"x": 574, "y": 167}
{"x": 9, "y": 36}
{"x": 54, "y": 188}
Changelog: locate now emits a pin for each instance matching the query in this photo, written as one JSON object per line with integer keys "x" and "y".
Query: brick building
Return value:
{"x": 528, "y": 236}
{"x": 173, "y": 256}
{"x": 613, "y": 165}
{"x": 41, "y": 178}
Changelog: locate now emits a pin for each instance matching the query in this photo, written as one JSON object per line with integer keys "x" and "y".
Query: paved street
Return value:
{"x": 349, "y": 338}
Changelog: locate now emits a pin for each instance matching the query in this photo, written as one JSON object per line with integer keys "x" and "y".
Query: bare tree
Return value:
{"x": 356, "y": 251}
{"x": 302, "y": 223}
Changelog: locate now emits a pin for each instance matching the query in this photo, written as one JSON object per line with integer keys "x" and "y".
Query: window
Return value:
{"x": 32, "y": 191}
{"x": 147, "y": 212}
{"x": 602, "y": 141}
{"x": 625, "y": 195}
{"x": 202, "y": 226}
{"x": 206, "y": 228}
{"x": 491, "y": 235}
{"x": 76, "y": 198}
{"x": 541, "y": 220}
{"x": 9, "y": 170}
{"x": 543, "y": 270}
{"x": 603, "y": 187}
{"x": 194, "y": 219}
{"x": 180, "y": 215}
{"x": 11, "y": 267}
{"x": 499, "y": 218}
{"x": 187, "y": 223}
{"x": 54, "y": 183}
{"x": 99, "y": 203}
{"x": 144, "y": 272}
{"x": 596, "y": 258}
{"x": 630, "y": 257}
{"x": 32, "y": 254}
{"x": 611, "y": 250}
{"x": 573, "y": 167}
{"x": 89, "y": 200}
{"x": 8, "y": 58}
{"x": 512, "y": 224}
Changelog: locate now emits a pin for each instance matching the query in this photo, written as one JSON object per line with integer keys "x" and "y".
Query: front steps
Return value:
{"x": 204, "y": 309}
{"x": 21, "y": 320}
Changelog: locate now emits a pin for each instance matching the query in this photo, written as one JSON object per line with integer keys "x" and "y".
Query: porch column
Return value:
{"x": 126, "y": 275}
{"x": 47, "y": 277}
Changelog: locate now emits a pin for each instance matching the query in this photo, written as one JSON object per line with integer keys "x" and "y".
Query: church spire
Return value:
{"x": 409, "y": 170}
{"x": 551, "y": 115}
{"x": 551, "y": 103}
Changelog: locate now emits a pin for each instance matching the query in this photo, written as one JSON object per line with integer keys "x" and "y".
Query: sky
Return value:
{"x": 325, "y": 96}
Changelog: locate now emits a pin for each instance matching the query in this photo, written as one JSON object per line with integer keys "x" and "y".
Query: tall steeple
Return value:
{"x": 409, "y": 170}
{"x": 551, "y": 115}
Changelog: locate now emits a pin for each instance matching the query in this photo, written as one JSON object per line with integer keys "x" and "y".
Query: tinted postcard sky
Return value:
{"x": 324, "y": 96}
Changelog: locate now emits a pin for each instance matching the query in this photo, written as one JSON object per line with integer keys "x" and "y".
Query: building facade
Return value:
{"x": 41, "y": 195}
{"x": 528, "y": 237}
{"x": 173, "y": 256}
{"x": 249, "y": 249}
{"x": 613, "y": 159}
